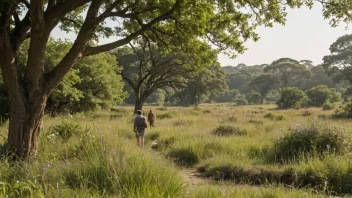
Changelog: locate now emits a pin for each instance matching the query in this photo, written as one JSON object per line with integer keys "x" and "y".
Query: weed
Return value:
{"x": 65, "y": 130}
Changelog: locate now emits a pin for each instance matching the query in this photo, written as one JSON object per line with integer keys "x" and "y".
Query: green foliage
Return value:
{"x": 272, "y": 116}
{"x": 93, "y": 84}
{"x": 320, "y": 94}
{"x": 338, "y": 64}
{"x": 20, "y": 189}
{"x": 328, "y": 106}
{"x": 318, "y": 138}
{"x": 344, "y": 111}
{"x": 226, "y": 130}
{"x": 66, "y": 130}
{"x": 241, "y": 100}
{"x": 288, "y": 71}
{"x": 264, "y": 84}
{"x": 203, "y": 85}
{"x": 330, "y": 175}
{"x": 290, "y": 97}
{"x": 253, "y": 97}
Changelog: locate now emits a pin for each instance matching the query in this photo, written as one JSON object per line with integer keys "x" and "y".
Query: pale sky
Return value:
{"x": 306, "y": 36}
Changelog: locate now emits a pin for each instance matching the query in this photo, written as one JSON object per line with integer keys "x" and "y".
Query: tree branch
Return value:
{"x": 107, "y": 47}
{"x": 75, "y": 53}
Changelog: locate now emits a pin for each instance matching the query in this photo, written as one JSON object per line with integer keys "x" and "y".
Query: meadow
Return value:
{"x": 214, "y": 150}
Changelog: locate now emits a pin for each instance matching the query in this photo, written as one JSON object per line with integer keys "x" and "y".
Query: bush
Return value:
{"x": 328, "y": 106}
{"x": 253, "y": 97}
{"x": 290, "y": 98}
{"x": 320, "y": 94}
{"x": 65, "y": 130}
{"x": 241, "y": 100}
{"x": 273, "y": 116}
{"x": 316, "y": 139}
{"x": 343, "y": 111}
{"x": 224, "y": 130}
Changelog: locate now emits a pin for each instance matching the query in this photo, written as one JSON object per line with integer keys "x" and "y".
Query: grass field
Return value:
{"x": 215, "y": 150}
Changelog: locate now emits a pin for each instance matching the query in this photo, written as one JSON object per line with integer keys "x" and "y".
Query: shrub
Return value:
{"x": 224, "y": 130}
{"x": 328, "y": 106}
{"x": 273, "y": 116}
{"x": 317, "y": 138}
{"x": 253, "y": 97}
{"x": 241, "y": 100}
{"x": 65, "y": 130}
{"x": 290, "y": 97}
{"x": 320, "y": 94}
{"x": 344, "y": 111}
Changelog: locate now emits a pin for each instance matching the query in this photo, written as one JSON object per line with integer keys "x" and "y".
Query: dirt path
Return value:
{"x": 192, "y": 177}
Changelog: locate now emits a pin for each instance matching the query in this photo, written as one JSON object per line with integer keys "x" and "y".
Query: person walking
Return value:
{"x": 151, "y": 118}
{"x": 139, "y": 127}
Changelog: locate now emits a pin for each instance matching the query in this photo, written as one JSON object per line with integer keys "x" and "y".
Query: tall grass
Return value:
{"x": 100, "y": 158}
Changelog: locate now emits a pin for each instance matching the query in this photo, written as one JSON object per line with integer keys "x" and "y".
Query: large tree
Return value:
{"x": 147, "y": 67}
{"x": 288, "y": 70}
{"x": 202, "y": 85}
{"x": 339, "y": 63}
{"x": 224, "y": 23}
{"x": 263, "y": 84}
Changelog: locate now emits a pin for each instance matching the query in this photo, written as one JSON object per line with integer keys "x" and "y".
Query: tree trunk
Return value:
{"x": 25, "y": 124}
{"x": 138, "y": 105}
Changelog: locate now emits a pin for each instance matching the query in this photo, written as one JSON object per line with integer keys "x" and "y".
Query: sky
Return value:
{"x": 306, "y": 36}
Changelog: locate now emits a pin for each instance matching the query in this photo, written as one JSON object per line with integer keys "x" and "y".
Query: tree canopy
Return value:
{"x": 288, "y": 70}
{"x": 339, "y": 63}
